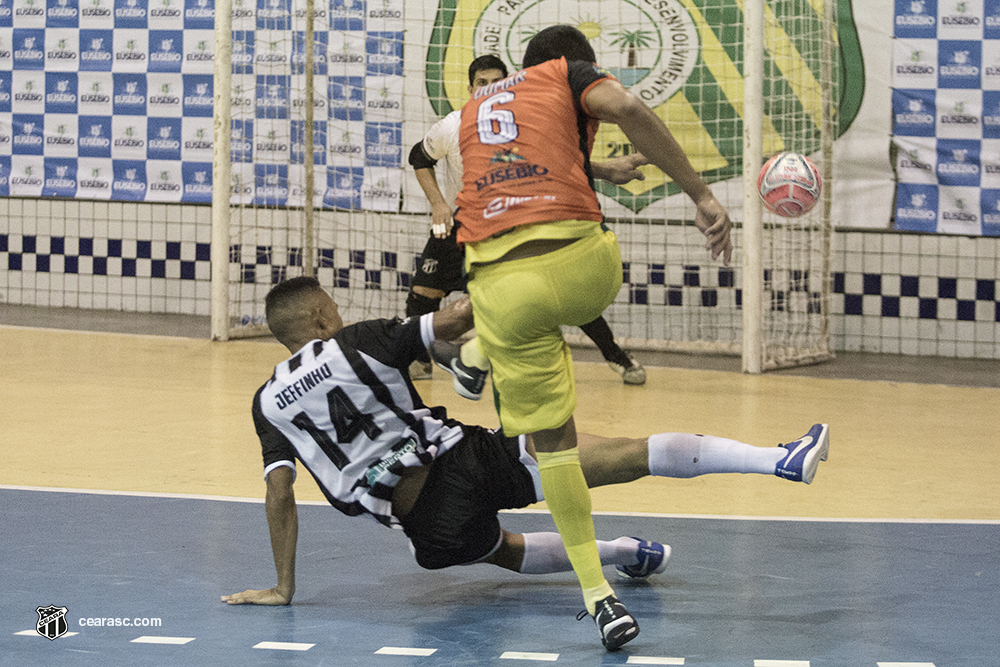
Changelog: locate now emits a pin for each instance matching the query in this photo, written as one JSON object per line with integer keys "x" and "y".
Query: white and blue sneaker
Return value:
{"x": 804, "y": 455}
{"x": 653, "y": 558}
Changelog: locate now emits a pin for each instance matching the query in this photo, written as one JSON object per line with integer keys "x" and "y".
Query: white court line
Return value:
{"x": 102, "y": 333}
{"x": 397, "y": 650}
{"x": 522, "y": 655}
{"x": 284, "y": 646}
{"x": 649, "y": 660}
{"x": 905, "y": 664}
{"x": 735, "y": 517}
{"x": 657, "y": 515}
{"x": 148, "y": 639}
{"x": 780, "y": 663}
{"x": 28, "y": 633}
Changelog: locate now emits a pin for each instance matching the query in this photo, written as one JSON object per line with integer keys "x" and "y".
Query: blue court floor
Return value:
{"x": 737, "y": 593}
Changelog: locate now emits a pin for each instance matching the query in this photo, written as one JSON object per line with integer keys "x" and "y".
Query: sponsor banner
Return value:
{"x": 166, "y": 15}
{"x": 343, "y": 187}
{"x": 346, "y": 142}
{"x": 27, "y": 175}
{"x": 241, "y": 141}
{"x": 61, "y": 133}
{"x": 946, "y": 65}
{"x": 915, "y": 19}
{"x": 197, "y": 181}
{"x": 989, "y": 209}
{"x": 916, "y": 159}
{"x": 915, "y": 63}
{"x": 199, "y": 52}
{"x": 380, "y": 189}
{"x": 959, "y": 113}
{"x": 271, "y": 184}
{"x": 917, "y": 207}
{"x": 960, "y": 211}
{"x": 94, "y": 177}
{"x": 989, "y": 157}
{"x": 60, "y": 177}
{"x": 164, "y": 181}
{"x": 94, "y": 139}
{"x": 348, "y": 15}
{"x": 384, "y": 99}
{"x": 4, "y": 175}
{"x": 958, "y": 162}
{"x": 383, "y": 145}
{"x": 298, "y": 138}
{"x": 959, "y": 64}
{"x": 6, "y": 133}
{"x": 115, "y": 98}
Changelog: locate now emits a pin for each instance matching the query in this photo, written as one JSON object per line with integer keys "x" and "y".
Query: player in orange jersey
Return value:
{"x": 538, "y": 257}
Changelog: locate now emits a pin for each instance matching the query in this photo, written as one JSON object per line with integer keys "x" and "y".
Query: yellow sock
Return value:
{"x": 472, "y": 355}
{"x": 568, "y": 498}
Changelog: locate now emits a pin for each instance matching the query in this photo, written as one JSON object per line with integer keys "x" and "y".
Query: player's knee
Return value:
{"x": 418, "y": 304}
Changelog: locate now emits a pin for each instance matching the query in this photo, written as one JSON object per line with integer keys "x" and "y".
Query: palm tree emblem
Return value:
{"x": 631, "y": 41}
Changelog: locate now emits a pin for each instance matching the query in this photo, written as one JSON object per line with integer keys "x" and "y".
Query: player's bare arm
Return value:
{"x": 283, "y": 522}
{"x": 453, "y": 320}
{"x": 441, "y": 210}
{"x": 611, "y": 102}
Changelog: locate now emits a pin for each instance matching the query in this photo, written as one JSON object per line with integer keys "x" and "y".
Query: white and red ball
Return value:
{"x": 789, "y": 185}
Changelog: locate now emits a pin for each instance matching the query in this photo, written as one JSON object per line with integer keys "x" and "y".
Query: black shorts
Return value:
{"x": 441, "y": 265}
{"x": 454, "y": 520}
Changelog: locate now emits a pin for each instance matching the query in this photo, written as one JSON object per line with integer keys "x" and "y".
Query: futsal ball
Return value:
{"x": 789, "y": 185}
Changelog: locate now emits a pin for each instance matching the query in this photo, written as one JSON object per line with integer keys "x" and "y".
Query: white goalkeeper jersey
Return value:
{"x": 346, "y": 409}
{"x": 441, "y": 142}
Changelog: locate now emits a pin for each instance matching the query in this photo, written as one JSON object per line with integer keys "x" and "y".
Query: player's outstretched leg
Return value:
{"x": 544, "y": 553}
{"x": 804, "y": 455}
{"x": 465, "y": 363}
{"x": 620, "y": 362}
{"x": 684, "y": 455}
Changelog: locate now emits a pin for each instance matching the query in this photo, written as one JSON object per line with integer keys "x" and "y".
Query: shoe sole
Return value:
{"x": 818, "y": 453}
{"x": 622, "y": 636}
{"x": 463, "y": 392}
{"x": 457, "y": 384}
{"x": 634, "y": 379}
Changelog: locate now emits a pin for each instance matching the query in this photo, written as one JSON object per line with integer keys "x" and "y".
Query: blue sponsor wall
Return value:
{"x": 113, "y": 99}
{"x": 946, "y": 115}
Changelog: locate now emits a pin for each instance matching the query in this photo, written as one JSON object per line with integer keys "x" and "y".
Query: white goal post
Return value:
{"x": 736, "y": 80}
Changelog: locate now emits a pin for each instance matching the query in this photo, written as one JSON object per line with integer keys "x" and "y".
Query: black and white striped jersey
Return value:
{"x": 346, "y": 408}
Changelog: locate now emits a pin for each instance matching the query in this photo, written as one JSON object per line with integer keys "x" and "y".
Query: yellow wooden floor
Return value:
{"x": 143, "y": 413}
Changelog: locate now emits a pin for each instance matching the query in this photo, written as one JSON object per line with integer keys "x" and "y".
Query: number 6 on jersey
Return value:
{"x": 496, "y": 126}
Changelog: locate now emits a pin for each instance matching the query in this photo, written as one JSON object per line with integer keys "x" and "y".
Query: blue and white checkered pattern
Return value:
{"x": 925, "y": 298}
{"x": 113, "y": 99}
{"x": 946, "y": 115}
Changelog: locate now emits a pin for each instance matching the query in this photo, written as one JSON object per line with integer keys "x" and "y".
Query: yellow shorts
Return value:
{"x": 519, "y": 306}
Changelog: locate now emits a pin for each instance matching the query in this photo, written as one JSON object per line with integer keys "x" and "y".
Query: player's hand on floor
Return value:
{"x": 269, "y": 597}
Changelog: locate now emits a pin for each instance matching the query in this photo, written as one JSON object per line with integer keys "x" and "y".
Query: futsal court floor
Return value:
{"x": 131, "y": 490}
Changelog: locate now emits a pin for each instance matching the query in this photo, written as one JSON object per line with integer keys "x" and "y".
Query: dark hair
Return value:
{"x": 555, "y": 42}
{"x": 488, "y": 61}
{"x": 288, "y": 288}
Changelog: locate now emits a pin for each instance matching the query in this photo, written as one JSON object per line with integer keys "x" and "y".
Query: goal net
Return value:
{"x": 384, "y": 71}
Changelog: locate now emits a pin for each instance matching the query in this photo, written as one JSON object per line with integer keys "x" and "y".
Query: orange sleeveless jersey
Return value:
{"x": 522, "y": 152}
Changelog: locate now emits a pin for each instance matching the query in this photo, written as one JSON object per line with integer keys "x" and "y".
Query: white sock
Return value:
{"x": 544, "y": 553}
{"x": 690, "y": 455}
